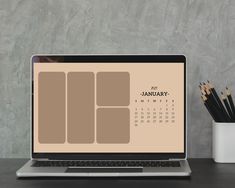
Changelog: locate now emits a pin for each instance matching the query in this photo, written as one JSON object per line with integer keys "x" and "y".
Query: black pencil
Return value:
{"x": 218, "y": 101}
{"x": 212, "y": 113}
{"x": 211, "y": 97}
{"x": 227, "y": 106}
{"x": 214, "y": 93}
{"x": 215, "y": 111}
{"x": 230, "y": 99}
{"x": 221, "y": 109}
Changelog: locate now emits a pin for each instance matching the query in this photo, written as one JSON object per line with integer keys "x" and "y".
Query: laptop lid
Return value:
{"x": 109, "y": 107}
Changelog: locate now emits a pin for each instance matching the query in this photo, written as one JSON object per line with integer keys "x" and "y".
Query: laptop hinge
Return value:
{"x": 174, "y": 159}
{"x": 41, "y": 159}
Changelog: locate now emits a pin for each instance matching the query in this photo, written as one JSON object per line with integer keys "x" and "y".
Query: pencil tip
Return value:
{"x": 208, "y": 81}
{"x": 204, "y": 83}
{"x": 222, "y": 93}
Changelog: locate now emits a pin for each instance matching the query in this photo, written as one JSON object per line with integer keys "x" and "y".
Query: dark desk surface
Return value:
{"x": 205, "y": 174}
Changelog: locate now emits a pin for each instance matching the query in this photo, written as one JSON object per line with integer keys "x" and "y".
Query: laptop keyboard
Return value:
{"x": 91, "y": 163}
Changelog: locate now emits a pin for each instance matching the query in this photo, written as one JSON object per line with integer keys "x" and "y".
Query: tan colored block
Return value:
{"x": 113, "y": 88}
{"x": 51, "y": 107}
{"x": 113, "y": 125}
{"x": 80, "y": 107}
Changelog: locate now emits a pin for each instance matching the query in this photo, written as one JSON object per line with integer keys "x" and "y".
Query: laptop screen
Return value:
{"x": 101, "y": 107}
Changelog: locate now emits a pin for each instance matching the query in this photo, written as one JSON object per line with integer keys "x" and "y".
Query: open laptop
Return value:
{"x": 108, "y": 115}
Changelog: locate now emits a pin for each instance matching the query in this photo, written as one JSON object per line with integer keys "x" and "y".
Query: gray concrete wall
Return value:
{"x": 203, "y": 30}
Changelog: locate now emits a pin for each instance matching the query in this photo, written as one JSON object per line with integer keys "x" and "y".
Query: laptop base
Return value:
{"x": 28, "y": 171}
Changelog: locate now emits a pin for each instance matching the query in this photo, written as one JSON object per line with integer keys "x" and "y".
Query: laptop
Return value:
{"x": 107, "y": 115}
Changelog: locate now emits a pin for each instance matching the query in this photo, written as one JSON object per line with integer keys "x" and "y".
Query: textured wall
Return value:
{"x": 203, "y": 30}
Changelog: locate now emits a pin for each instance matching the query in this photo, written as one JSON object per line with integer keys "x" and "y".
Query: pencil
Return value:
{"x": 212, "y": 113}
{"x": 222, "y": 109}
{"x": 203, "y": 86}
{"x": 202, "y": 90}
{"x": 217, "y": 113}
{"x": 230, "y": 99}
{"x": 218, "y": 101}
{"x": 211, "y": 97}
{"x": 227, "y": 106}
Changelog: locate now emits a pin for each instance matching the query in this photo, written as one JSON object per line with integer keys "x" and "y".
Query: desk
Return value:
{"x": 205, "y": 174}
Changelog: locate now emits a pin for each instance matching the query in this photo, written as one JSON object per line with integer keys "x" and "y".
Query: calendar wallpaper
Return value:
{"x": 108, "y": 107}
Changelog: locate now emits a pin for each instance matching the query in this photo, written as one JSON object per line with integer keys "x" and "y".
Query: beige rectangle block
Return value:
{"x": 113, "y": 88}
{"x": 51, "y": 107}
{"x": 80, "y": 107}
{"x": 113, "y": 125}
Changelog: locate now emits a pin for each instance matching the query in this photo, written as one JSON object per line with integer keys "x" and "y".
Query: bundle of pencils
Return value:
{"x": 221, "y": 110}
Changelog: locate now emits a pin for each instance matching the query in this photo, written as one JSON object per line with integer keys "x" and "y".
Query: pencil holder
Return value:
{"x": 223, "y": 142}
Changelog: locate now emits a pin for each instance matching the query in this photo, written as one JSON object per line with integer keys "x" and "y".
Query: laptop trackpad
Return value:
{"x": 103, "y": 169}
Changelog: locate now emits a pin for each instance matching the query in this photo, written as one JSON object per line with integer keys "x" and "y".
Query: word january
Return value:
{"x": 154, "y": 93}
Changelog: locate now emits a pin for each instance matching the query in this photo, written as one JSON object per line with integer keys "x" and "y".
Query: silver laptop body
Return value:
{"x": 49, "y": 160}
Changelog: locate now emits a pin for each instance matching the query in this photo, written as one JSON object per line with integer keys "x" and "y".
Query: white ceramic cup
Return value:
{"x": 223, "y": 139}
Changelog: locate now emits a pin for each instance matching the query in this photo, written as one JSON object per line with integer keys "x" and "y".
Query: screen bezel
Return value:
{"x": 108, "y": 59}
